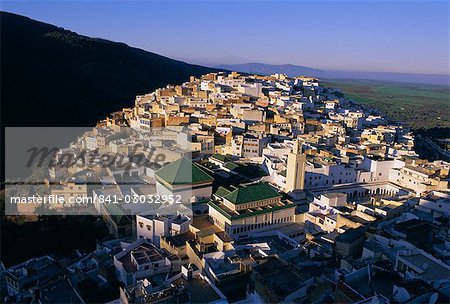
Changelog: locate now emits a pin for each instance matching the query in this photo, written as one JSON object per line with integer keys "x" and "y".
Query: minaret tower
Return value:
{"x": 295, "y": 175}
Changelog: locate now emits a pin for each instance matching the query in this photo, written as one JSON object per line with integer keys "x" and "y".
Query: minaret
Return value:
{"x": 295, "y": 175}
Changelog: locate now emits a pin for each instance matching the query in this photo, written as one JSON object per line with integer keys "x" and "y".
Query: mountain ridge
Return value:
{"x": 297, "y": 70}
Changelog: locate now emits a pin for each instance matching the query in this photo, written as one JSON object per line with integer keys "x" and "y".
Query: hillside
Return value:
{"x": 55, "y": 77}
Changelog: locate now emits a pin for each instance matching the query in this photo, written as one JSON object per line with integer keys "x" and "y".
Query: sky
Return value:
{"x": 366, "y": 35}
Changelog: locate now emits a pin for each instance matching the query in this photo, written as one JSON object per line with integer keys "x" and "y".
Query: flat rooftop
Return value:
{"x": 280, "y": 278}
{"x": 202, "y": 222}
{"x": 199, "y": 290}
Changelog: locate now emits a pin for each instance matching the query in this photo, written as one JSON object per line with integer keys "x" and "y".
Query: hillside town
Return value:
{"x": 234, "y": 188}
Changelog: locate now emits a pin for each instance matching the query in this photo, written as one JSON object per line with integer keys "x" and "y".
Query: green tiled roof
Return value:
{"x": 200, "y": 202}
{"x": 248, "y": 214}
{"x": 231, "y": 166}
{"x": 220, "y": 157}
{"x": 183, "y": 171}
{"x": 117, "y": 214}
{"x": 252, "y": 193}
{"x": 220, "y": 210}
{"x": 222, "y": 191}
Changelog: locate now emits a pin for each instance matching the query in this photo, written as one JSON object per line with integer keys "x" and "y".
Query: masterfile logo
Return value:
{"x": 102, "y": 170}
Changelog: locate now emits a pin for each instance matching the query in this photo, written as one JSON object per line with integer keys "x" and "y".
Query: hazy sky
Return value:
{"x": 367, "y": 35}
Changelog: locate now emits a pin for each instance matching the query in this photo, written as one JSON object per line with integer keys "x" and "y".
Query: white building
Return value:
{"x": 437, "y": 203}
{"x": 139, "y": 260}
{"x": 153, "y": 226}
{"x": 250, "y": 208}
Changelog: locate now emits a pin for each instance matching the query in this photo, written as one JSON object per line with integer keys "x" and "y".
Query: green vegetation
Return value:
{"x": 421, "y": 107}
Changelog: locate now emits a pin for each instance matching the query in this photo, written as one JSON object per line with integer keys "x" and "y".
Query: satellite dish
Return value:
{"x": 400, "y": 294}
{"x": 375, "y": 300}
{"x": 146, "y": 283}
{"x": 433, "y": 299}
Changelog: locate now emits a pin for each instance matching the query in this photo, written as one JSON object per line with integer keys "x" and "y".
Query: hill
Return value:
{"x": 55, "y": 77}
{"x": 297, "y": 70}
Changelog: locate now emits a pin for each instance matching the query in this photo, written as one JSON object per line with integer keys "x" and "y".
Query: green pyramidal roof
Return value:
{"x": 183, "y": 171}
{"x": 252, "y": 193}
